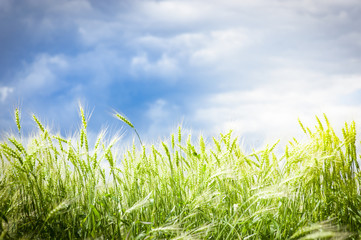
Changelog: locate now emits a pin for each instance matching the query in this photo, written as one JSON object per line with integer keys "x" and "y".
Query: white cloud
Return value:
{"x": 270, "y": 111}
{"x": 95, "y": 32}
{"x": 41, "y": 76}
{"x": 157, "y": 110}
{"x": 219, "y": 53}
{"x": 221, "y": 35}
{"x": 161, "y": 118}
{"x": 44, "y": 18}
{"x": 223, "y": 44}
{"x": 164, "y": 67}
{"x": 46, "y": 74}
{"x": 99, "y": 64}
{"x": 4, "y": 93}
{"x": 172, "y": 12}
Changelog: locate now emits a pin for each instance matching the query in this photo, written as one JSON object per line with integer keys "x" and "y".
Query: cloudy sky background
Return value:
{"x": 254, "y": 66}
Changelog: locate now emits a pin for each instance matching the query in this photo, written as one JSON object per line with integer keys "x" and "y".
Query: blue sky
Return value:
{"x": 253, "y": 66}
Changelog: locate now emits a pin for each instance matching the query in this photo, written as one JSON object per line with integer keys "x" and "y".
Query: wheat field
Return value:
{"x": 57, "y": 188}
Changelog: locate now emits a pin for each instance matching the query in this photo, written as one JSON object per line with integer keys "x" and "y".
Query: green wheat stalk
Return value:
{"x": 126, "y": 121}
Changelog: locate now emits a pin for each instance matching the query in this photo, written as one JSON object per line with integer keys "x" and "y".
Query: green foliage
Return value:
{"x": 56, "y": 188}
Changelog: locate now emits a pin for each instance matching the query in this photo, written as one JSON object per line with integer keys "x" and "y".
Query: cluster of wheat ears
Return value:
{"x": 57, "y": 188}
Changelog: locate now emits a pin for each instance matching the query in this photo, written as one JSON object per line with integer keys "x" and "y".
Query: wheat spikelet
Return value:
{"x": 109, "y": 157}
{"x": 17, "y": 119}
{"x": 83, "y": 119}
{"x": 179, "y": 135}
{"x": 141, "y": 203}
{"x": 41, "y": 127}
{"x": 303, "y": 128}
{"x": 58, "y": 208}
{"x": 18, "y": 145}
{"x": 218, "y": 145}
{"x": 173, "y": 141}
{"x": 202, "y": 145}
{"x": 81, "y": 138}
{"x": 11, "y": 153}
{"x": 177, "y": 158}
{"x": 319, "y": 123}
{"x": 166, "y": 150}
{"x": 124, "y": 119}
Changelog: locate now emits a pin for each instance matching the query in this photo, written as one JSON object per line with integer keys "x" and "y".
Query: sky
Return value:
{"x": 253, "y": 66}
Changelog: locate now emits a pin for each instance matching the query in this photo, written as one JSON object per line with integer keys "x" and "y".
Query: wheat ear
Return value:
{"x": 125, "y": 120}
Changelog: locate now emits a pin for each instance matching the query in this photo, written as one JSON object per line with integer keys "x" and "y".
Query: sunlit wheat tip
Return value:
{"x": 124, "y": 120}
{"x": 41, "y": 127}
{"x": 17, "y": 119}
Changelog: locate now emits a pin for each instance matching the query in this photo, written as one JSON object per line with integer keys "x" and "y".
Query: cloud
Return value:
{"x": 222, "y": 44}
{"x": 162, "y": 117}
{"x": 252, "y": 65}
{"x": 4, "y": 92}
{"x": 270, "y": 111}
{"x": 42, "y": 75}
{"x": 176, "y": 13}
{"x": 165, "y": 67}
